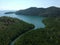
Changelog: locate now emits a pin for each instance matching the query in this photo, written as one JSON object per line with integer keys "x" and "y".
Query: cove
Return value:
{"x": 36, "y": 20}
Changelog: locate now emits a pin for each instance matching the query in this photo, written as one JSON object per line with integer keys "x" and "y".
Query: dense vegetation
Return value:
{"x": 10, "y": 28}
{"x": 47, "y": 12}
{"x": 50, "y": 35}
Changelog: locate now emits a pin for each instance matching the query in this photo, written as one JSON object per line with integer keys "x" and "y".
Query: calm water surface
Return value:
{"x": 36, "y": 20}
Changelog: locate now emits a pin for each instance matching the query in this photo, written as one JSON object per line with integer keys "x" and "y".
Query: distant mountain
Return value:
{"x": 50, "y": 11}
{"x": 31, "y": 11}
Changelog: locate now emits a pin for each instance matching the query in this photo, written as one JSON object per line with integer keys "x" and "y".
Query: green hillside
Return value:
{"x": 11, "y": 28}
{"x": 50, "y": 35}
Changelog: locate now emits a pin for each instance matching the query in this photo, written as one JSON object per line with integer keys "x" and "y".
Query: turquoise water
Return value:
{"x": 36, "y": 20}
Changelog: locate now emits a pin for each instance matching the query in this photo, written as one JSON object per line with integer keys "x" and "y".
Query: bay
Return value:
{"x": 36, "y": 20}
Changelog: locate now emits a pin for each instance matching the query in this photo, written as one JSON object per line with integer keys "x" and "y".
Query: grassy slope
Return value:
{"x": 10, "y": 28}
{"x": 48, "y": 36}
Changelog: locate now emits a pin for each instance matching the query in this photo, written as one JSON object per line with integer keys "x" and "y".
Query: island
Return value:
{"x": 9, "y": 12}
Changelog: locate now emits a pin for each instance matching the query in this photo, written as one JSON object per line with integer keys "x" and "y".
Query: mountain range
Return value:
{"x": 50, "y": 11}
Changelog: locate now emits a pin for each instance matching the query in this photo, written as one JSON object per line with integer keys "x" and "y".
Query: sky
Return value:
{"x": 23, "y": 4}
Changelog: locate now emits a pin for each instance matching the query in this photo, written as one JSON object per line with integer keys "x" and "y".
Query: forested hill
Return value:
{"x": 50, "y": 35}
{"x": 50, "y": 11}
{"x": 11, "y": 28}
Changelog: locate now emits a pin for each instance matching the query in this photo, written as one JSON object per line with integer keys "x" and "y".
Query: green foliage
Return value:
{"x": 10, "y": 28}
{"x": 52, "y": 23}
{"x": 50, "y": 35}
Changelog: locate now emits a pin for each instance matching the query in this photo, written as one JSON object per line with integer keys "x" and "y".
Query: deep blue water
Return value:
{"x": 36, "y": 20}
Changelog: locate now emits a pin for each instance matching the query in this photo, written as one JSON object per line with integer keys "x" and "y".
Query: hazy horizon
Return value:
{"x": 23, "y": 4}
